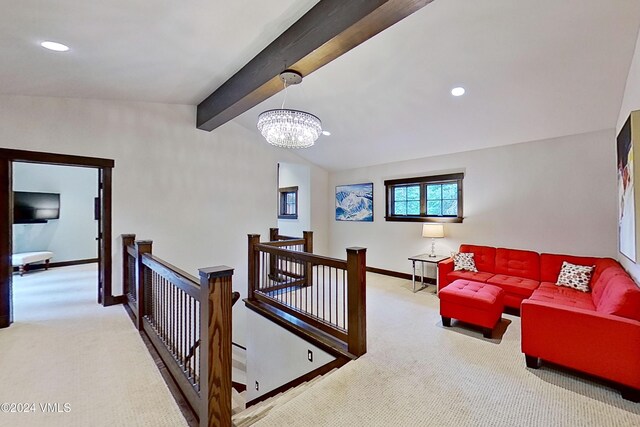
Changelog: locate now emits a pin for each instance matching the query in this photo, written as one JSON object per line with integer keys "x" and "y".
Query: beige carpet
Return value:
{"x": 65, "y": 348}
{"x": 417, "y": 373}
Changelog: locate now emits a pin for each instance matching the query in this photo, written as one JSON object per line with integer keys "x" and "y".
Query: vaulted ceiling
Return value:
{"x": 532, "y": 70}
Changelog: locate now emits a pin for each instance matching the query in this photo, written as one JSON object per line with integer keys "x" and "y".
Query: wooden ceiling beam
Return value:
{"x": 326, "y": 31}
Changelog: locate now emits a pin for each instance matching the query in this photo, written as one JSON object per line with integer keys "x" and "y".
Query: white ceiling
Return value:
{"x": 174, "y": 52}
{"x": 532, "y": 69}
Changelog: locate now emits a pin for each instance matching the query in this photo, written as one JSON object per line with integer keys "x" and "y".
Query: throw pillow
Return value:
{"x": 464, "y": 261}
{"x": 575, "y": 276}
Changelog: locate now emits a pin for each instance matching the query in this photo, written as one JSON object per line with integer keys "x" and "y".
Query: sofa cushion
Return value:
{"x": 514, "y": 285}
{"x": 552, "y": 288}
{"x": 469, "y": 275}
{"x": 484, "y": 257}
{"x": 519, "y": 263}
{"x": 621, "y": 296}
{"x": 463, "y": 261}
{"x": 472, "y": 294}
{"x": 550, "y": 264}
{"x": 606, "y": 270}
{"x": 549, "y": 292}
{"x": 575, "y": 276}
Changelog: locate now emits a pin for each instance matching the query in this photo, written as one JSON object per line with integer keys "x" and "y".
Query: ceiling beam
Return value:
{"x": 326, "y": 31}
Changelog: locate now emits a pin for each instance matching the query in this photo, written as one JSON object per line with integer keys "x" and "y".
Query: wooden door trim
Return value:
{"x": 7, "y": 157}
{"x": 6, "y": 221}
{"x": 54, "y": 158}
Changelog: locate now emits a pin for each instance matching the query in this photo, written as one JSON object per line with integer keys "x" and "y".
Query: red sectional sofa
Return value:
{"x": 595, "y": 332}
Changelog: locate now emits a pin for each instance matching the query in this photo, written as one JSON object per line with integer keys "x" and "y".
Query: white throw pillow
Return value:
{"x": 464, "y": 261}
{"x": 575, "y": 276}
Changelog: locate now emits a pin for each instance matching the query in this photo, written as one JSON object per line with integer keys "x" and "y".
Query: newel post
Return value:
{"x": 273, "y": 237}
{"x": 308, "y": 241}
{"x": 357, "y": 300}
{"x": 308, "y": 248}
{"x": 127, "y": 240}
{"x": 215, "y": 346}
{"x": 142, "y": 247}
{"x": 253, "y": 275}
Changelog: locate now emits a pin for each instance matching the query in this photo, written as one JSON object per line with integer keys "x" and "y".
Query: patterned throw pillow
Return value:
{"x": 463, "y": 261}
{"x": 575, "y": 276}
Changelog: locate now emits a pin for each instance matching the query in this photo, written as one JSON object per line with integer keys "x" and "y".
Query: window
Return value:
{"x": 426, "y": 199}
{"x": 288, "y": 208}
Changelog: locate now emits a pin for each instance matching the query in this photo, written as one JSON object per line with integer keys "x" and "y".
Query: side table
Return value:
{"x": 422, "y": 259}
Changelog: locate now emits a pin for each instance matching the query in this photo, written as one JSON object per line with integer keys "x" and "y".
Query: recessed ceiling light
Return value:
{"x": 58, "y": 47}
{"x": 457, "y": 91}
{"x": 326, "y": 133}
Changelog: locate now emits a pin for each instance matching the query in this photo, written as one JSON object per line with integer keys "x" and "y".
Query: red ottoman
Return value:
{"x": 472, "y": 302}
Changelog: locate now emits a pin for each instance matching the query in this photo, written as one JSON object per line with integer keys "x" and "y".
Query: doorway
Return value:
{"x": 103, "y": 214}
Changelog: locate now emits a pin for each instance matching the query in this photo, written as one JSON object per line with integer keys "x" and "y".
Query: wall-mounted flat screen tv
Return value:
{"x": 29, "y": 208}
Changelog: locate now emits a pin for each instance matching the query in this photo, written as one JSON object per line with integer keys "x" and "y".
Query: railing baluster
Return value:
{"x": 337, "y": 298}
{"x": 166, "y": 311}
{"x": 324, "y": 293}
{"x": 329, "y": 285}
{"x": 172, "y": 293}
{"x": 344, "y": 301}
{"x": 182, "y": 325}
{"x": 167, "y": 332}
{"x": 189, "y": 341}
{"x": 162, "y": 311}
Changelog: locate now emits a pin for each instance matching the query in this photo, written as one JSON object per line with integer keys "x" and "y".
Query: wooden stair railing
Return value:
{"x": 188, "y": 322}
{"x": 327, "y": 294}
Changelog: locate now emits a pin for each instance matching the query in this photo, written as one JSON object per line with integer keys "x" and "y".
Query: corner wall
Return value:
{"x": 556, "y": 195}
{"x": 631, "y": 102}
{"x": 196, "y": 194}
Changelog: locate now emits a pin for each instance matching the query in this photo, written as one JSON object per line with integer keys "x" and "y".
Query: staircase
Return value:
{"x": 246, "y": 417}
{"x": 238, "y": 365}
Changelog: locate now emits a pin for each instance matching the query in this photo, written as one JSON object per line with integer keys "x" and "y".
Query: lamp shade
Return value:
{"x": 432, "y": 230}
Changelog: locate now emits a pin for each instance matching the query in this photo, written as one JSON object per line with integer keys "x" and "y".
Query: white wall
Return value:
{"x": 196, "y": 194}
{"x": 73, "y": 236}
{"x": 631, "y": 102}
{"x": 296, "y": 175}
{"x": 276, "y": 356}
{"x": 556, "y": 195}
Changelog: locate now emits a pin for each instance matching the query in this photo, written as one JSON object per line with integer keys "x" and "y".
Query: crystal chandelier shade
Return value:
{"x": 289, "y": 128}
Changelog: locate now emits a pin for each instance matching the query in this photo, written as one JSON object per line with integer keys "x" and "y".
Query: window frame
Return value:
{"x": 282, "y": 202}
{"x": 422, "y": 181}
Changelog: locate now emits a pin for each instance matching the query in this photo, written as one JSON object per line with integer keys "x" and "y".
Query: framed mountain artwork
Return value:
{"x": 354, "y": 202}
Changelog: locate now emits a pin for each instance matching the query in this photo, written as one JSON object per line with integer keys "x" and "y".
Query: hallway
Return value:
{"x": 65, "y": 349}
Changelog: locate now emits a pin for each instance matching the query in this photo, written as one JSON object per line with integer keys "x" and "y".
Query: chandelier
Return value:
{"x": 288, "y": 128}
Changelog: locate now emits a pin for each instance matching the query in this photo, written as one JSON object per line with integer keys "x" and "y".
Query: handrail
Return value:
{"x": 287, "y": 242}
{"x": 131, "y": 250}
{"x": 303, "y": 256}
{"x": 176, "y": 276}
{"x": 274, "y": 235}
{"x": 281, "y": 237}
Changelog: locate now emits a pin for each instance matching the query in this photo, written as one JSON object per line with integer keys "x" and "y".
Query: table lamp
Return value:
{"x": 433, "y": 231}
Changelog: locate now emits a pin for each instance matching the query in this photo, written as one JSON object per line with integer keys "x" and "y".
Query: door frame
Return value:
{"x": 105, "y": 169}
